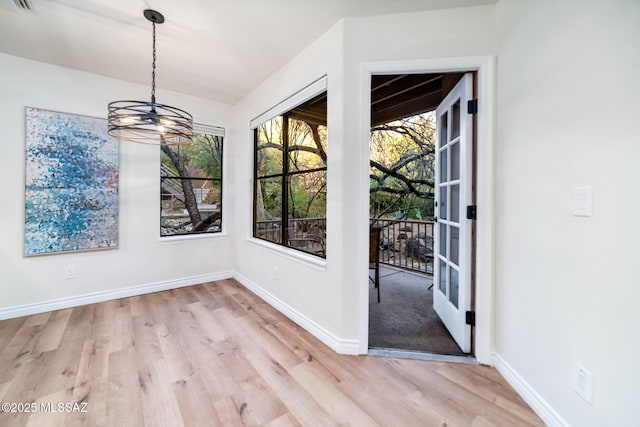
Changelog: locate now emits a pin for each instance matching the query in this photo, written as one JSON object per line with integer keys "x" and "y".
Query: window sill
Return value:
{"x": 188, "y": 237}
{"x": 295, "y": 255}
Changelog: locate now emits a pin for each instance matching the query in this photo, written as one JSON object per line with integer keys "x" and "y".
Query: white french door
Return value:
{"x": 452, "y": 230}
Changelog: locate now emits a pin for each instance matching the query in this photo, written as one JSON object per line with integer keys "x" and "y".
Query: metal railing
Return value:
{"x": 306, "y": 234}
{"x": 406, "y": 244}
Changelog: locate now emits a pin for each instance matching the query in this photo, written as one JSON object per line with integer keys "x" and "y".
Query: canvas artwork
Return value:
{"x": 71, "y": 192}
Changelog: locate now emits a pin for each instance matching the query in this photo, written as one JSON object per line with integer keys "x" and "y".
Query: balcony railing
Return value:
{"x": 305, "y": 234}
{"x": 405, "y": 244}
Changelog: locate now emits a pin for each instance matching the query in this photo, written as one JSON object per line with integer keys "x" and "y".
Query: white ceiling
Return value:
{"x": 218, "y": 49}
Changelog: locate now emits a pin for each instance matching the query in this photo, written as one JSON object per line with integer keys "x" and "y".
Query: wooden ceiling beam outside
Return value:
{"x": 403, "y": 86}
{"x": 412, "y": 107}
{"x": 314, "y": 111}
{"x": 395, "y": 97}
{"x": 313, "y": 117}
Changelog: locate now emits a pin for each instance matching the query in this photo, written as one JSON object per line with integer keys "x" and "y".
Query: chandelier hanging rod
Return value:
{"x": 150, "y": 122}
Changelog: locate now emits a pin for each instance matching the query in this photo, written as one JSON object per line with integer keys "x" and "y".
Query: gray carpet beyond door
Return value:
{"x": 404, "y": 319}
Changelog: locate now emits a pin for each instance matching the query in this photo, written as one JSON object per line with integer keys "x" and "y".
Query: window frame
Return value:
{"x": 283, "y": 109}
{"x": 200, "y": 128}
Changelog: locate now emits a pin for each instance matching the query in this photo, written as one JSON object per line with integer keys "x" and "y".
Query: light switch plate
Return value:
{"x": 582, "y": 201}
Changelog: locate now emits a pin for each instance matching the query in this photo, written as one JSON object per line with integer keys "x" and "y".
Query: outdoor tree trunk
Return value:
{"x": 205, "y": 223}
{"x": 190, "y": 201}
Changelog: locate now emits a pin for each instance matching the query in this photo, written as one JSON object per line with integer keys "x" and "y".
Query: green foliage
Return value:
{"x": 308, "y": 195}
{"x": 402, "y": 167}
{"x": 203, "y": 157}
{"x": 271, "y": 189}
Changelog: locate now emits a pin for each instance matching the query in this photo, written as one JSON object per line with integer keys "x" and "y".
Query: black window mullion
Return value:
{"x": 273, "y": 175}
{"x": 285, "y": 179}
{"x": 192, "y": 178}
{"x": 307, "y": 171}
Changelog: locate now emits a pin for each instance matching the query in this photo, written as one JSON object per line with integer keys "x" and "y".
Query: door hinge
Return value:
{"x": 472, "y": 211}
{"x": 470, "y": 318}
{"x": 472, "y": 106}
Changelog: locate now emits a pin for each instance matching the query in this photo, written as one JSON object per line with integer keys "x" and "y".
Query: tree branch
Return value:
{"x": 316, "y": 140}
{"x": 205, "y": 223}
{"x": 402, "y": 130}
{"x": 408, "y": 182}
{"x": 317, "y": 151}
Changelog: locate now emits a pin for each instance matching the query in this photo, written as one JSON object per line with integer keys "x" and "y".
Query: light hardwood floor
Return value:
{"x": 216, "y": 354}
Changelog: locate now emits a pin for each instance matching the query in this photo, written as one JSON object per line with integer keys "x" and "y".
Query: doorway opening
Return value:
{"x": 421, "y": 213}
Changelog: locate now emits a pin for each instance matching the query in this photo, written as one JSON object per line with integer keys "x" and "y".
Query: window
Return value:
{"x": 290, "y": 170}
{"x": 191, "y": 185}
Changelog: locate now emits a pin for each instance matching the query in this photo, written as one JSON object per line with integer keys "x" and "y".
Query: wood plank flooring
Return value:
{"x": 217, "y": 355}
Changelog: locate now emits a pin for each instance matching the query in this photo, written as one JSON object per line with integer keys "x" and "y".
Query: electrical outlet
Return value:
{"x": 70, "y": 272}
{"x": 582, "y": 382}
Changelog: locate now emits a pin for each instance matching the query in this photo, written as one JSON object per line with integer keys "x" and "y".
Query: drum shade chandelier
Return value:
{"x": 150, "y": 122}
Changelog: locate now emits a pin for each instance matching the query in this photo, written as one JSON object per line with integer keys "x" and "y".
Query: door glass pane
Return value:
{"x": 455, "y": 203}
{"x": 443, "y": 276}
{"x": 443, "y": 130}
{"x": 443, "y": 240}
{"x": 443, "y": 202}
{"x": 455, "y": 120}
{"x": 454, "y": 244}
{"x": 443, "y": 166}
{"x": 455, "y": 161}
{"x": 453, "y": 286}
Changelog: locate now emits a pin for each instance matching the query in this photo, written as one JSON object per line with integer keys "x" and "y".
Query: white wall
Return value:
{"x": 141, "y": 258}
{"x": 426, "y": 42}
{"x": 567, "y": 288}
{"x": 306, "y": 286}
{"x": 329, "y": 296}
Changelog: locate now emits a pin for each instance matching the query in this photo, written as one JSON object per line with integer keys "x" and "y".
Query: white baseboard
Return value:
{"x": 341, "y": 346}
{"x": 95, "y": 297}
{"x": 539, "y": 405}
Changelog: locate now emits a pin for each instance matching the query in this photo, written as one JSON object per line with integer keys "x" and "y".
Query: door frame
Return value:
{"x": 485, "y": 182}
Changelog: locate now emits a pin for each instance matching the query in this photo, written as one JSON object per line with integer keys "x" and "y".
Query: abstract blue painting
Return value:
{"x": 71, "y": 191}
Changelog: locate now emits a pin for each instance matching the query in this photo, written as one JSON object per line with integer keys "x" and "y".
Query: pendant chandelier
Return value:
{"x": 150, "y": 122}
